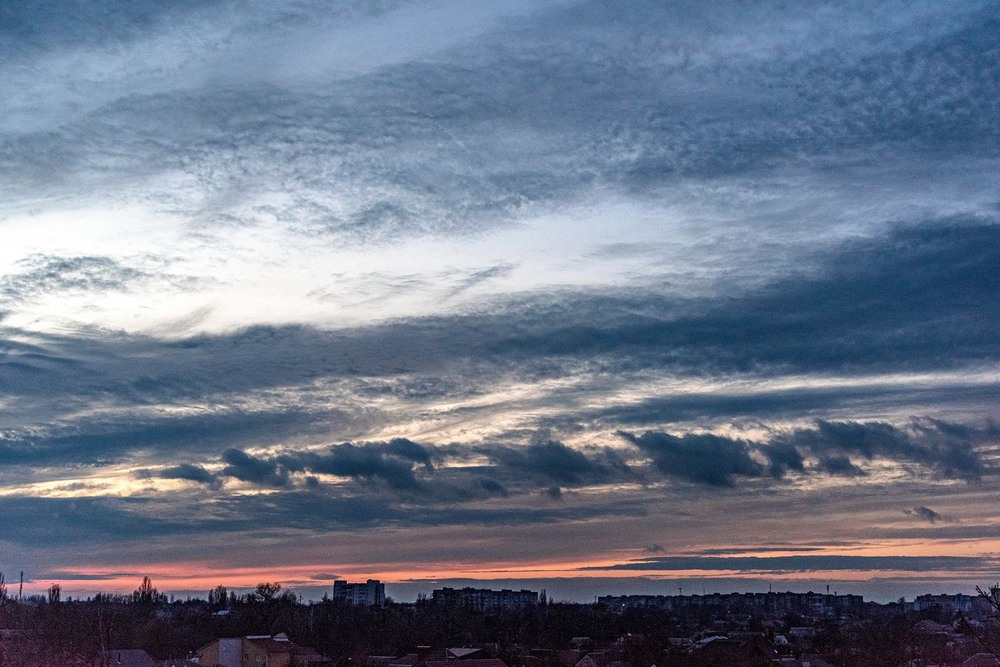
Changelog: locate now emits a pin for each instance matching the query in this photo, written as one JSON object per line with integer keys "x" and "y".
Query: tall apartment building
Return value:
{"x": 369, "y": 594}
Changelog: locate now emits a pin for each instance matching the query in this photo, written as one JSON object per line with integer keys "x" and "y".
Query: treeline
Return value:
{"x": 50, "y": 630}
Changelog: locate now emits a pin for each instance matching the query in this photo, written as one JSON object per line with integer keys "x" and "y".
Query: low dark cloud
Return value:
{"x": 555, "y": 461}
{"x": 392, "y": 462}
{"x": 730, "y": 551}
{"x": 926, "y": 514}
{"x": 808, "y": 563}
{"x": 701, "y": 458}
{"x": 927, "y": 446}
{"x": 248, "y": 468}
{"x": 783, "y": 457}
{"x": 947, "y": 449}
{"x": 493, "y": 487}
{"x": 838, "y": 464}
{"x": 405, "y": 466}
{"x": 189, "y": 472}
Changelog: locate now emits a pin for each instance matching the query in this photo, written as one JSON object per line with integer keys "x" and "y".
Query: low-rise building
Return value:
{"x": 258, "y": 651}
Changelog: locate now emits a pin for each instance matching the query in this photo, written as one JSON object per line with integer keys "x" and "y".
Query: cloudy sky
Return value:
{"x": 596, "y": 297}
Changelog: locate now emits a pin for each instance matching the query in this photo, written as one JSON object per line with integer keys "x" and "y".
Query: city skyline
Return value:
{"x": 549, "y": 294}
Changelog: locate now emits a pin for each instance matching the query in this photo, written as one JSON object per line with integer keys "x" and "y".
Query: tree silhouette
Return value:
{"x": 146, "y": 594}
{"x": 266, "y": 604}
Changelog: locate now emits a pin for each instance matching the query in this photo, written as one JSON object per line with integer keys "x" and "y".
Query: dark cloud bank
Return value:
{"x": 420, "y": 473}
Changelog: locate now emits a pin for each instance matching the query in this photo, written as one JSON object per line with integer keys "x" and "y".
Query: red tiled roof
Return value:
{"x": 270, "y": 645}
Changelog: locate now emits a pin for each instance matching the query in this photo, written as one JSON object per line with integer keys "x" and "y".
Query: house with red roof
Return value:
{"x": 258, "y": 651}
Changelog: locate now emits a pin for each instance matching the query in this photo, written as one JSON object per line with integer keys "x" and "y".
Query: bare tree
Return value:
{"x": 218, "y": 596}
{"x": 265, "y": 592}
{"x": 267, "y": 603}
{"x": 992, "y": 596}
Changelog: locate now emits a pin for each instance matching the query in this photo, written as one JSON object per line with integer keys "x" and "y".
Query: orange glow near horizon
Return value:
{"x": 201, "y": 576}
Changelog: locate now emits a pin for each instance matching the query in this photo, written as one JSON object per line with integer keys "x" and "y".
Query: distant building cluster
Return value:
{"x": 369, "y": 594}
{"x": 485, "y": 599}
{"x": 953, "y": 603}
{"x": 817, "y": 603}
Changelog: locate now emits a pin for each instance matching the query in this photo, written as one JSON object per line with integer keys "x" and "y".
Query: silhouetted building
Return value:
{"x": 810, "y": 603}
{"x": 951, "y": 603}
{"x": 369, "y": 594}
{"x": 486, "y": 599}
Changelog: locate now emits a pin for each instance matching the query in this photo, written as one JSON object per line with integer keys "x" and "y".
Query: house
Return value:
{"x": 717, "y": 650}
{"x": 595, "y": 659}
{"x": 567, "y": 657}
{"x": 222, "y": 653}
{"x": 465, "y": 653}
{"x": 258, "y": 651}
{"x": 268, "y": 651}
{"x": 408, "y": 660}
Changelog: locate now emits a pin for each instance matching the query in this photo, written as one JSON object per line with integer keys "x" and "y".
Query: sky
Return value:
{"x": 585, "y": 296}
